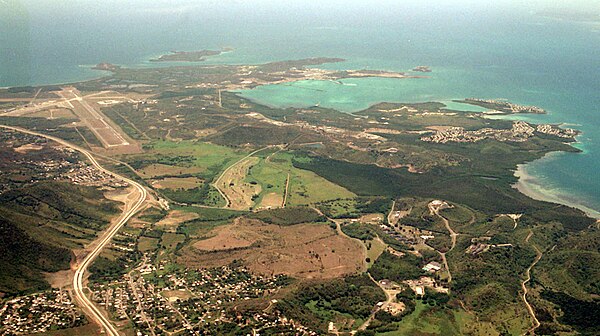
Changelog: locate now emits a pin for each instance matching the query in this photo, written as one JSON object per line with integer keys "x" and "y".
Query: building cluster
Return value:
{"x": 28, "y": 159}
{"x": 39, "y": 313}
{"x": 397, "y": 235}
{"x": 432, "y": 267}
{"x": 24, "y": 163}
{"x": 157, "y": 298}
{"x": 567, "y": 133}
{"x": 418, "y": 286}
{"x": 271, "y": 323}
{"x": 520, "y": 131}
{"x": 481, "y": 244}
{"x": 504, "y": 106}
{"x": 84, "y": 174}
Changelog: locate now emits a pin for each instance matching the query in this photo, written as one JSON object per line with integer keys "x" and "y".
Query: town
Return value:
{"x": 39, "y": 313}
{"x": 520, "y": 131}
{"x": 169, "y": 299}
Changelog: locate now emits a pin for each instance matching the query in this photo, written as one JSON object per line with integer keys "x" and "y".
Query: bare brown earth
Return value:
{"x": 303, "y": 250}
{"x": 230, "y": 237}
{"x": 27, "y": 148}
{"x": 60, "y": 279}
{"x": 271, "y": 200}
{"x": 173, "y": 295}
{"x": 176, "y": 217}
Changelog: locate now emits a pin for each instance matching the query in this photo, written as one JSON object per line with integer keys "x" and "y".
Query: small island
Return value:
{"x": 189, "y": 56}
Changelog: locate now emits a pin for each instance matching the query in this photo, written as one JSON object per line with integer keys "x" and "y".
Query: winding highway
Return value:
{"x": 97, "y": 246}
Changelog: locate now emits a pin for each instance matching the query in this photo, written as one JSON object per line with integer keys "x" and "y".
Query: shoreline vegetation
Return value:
{"x": 527, "y": 184}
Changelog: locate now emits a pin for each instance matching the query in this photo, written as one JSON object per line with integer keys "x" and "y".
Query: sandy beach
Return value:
{"x": 533, "y": 188}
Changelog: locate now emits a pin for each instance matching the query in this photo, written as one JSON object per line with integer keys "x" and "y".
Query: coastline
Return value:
{"x": 527, "y": 183}
{"x": 530, "y": 186}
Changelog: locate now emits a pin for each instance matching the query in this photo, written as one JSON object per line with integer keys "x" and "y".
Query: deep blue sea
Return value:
{"x": 476, "y": 49}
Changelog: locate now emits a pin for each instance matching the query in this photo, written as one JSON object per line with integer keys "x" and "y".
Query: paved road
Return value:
{"x": 102, "y": 241}
{"x": 30, "y": 108}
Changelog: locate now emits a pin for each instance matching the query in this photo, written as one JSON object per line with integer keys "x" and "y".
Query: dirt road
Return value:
{"x": 435, "y": 210}
{"x": 536, "y": 322}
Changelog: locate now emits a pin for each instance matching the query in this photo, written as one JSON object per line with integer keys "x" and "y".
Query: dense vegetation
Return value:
{"x": 583, "y": 315}
{"x": 353, "y": 208}
{"x": 40, "y": 224}
{"x": 489, "y": 196}
{"x": 315, "y": 304}
{"x": 391, "y": 267}
{"x": 24, "y": 257}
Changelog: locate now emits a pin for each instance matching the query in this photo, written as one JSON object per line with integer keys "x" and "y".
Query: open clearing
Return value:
{"x": 239, "y": 192}
{"x": 228, "y": 238}
{"x": 170, "y": 240}
{"x": 52, "y": 113}
{"x": 304, "y": 187}
{"x": 146, "y": 244}
{"x": 175, "y": 218}
{"x": 27, "y": 148}
{"x": 157, "y": 170}
{"x": 206, "y": 156}
{"x": 303, "y": 250}
{"x": 271, "y": 200}
{"x": 174, "y": 295}
{"x": 177, "y": 183}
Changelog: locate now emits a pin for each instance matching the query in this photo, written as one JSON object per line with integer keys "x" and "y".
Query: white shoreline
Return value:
{"x": 529, "y": 186}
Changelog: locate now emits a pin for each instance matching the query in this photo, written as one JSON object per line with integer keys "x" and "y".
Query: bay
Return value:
{"x": 504, "y": 50}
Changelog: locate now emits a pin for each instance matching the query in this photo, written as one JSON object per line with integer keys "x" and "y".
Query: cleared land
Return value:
{"x": 303, "y": 187}
{"x": 303, "y": 250}
{"x": 177, "y": 183}
{"x": 239, "y": 193}
{"x": 175, "y": 218}
{"x": 158, "y": 170}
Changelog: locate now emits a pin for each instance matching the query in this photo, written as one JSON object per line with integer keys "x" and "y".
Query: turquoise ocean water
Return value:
{"x": 503, "y": 50}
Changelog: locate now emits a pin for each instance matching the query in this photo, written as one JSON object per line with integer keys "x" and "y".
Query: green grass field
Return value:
{"x": 146, "y": 244}
{"x": 305, "y": 187}
{"x": 211, "y": 158}
{"x": 169, "y": 240}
